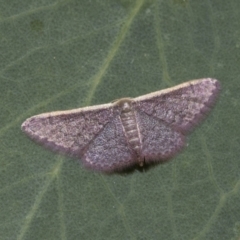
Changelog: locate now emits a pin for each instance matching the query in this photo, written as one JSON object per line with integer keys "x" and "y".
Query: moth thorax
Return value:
{"x": 130, "y": 126}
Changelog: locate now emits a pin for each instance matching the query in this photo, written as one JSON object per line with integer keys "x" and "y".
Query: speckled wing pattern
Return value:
{"x": 92, "y": 134}
{"x": 109, "y": 151}
{"x": 159, "y": 140}
{"x": 68, "y": 131}
{"x": 130, "y": 131}
{"x": 166, "y": 116}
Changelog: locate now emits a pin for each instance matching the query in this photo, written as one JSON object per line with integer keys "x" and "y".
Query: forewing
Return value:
{"x": 159, "y": 140}
{"x": 69, "y": 131}
{"x": 183, "y": 106}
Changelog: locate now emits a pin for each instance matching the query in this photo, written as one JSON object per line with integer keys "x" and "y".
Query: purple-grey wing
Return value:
{"x": 110, "y": 151}
{"x": 93, "y": 134}
{"x": 182, "y": 107}
{"x": 69, "y": 131}
{"x": 159, "y": 141}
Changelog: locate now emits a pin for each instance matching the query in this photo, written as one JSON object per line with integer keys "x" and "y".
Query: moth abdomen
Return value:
{"x": 130, "y": 127}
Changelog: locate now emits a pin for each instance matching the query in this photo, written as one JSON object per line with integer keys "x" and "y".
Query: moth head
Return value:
{"x": 125, "y": 104}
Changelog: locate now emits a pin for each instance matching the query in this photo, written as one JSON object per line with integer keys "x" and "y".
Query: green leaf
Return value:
{"x": 59, "y": 55}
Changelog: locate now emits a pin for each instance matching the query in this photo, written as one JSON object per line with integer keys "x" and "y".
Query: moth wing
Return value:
{"x": 159, "y": 141}
{"x": 70, "y": 131}
{"x": 110, "y": 151}
{"x": 181, "y": 107}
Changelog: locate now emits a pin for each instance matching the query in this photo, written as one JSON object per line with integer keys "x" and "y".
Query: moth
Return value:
{"x": 142, "y": 130}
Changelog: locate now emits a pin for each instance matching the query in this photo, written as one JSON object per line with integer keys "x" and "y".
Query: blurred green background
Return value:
{"x": 65, "y": 54}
